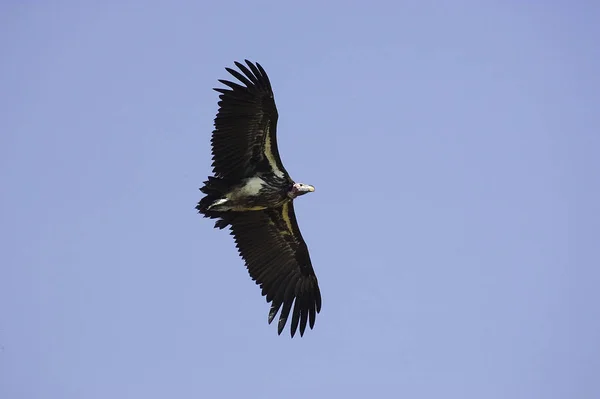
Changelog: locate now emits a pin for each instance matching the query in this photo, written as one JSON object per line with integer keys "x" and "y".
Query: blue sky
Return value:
{"x": 454, "y": 230}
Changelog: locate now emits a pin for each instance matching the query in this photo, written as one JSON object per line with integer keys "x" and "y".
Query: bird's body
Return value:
{"x": 252, "y": 193}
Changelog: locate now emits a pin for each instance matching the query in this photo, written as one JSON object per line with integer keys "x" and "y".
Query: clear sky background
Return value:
{"x": 454, "y": 147}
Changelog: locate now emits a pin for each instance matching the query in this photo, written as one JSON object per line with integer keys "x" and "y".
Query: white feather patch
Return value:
{"x": 251, "y": 187}
{"x": 270, "y": 156}
{"x": 286, "y": 217}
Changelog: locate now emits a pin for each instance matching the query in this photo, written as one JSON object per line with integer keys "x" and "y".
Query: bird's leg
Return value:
{"x": 218, "y": 202}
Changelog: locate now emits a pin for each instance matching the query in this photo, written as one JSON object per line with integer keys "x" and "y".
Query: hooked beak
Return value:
{"x": 300, "y": 189}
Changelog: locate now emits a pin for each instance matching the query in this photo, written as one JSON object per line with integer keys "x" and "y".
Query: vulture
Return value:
{"x": 252, "y": 193}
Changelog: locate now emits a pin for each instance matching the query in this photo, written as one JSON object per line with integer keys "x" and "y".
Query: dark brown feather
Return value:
{"x": 277, "y": 259}
{"x": 247, "y": 113}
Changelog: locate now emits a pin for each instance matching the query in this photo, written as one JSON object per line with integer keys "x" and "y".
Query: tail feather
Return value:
{"x": 215, "y": 189}
{"x": 215, "y": 186}
{"x": 205, "y": 202}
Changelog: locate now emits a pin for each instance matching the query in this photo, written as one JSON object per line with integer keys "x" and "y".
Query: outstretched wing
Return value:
{"x": 277, "y": 259}
{"x": 245, "y": 138}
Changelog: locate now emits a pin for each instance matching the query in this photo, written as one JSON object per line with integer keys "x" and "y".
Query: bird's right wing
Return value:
{"x": 277, "y": 259}
{"x": 245, "y": 134}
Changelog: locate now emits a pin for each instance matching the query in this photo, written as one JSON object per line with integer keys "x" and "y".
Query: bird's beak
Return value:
{"x": 311, "y": 189}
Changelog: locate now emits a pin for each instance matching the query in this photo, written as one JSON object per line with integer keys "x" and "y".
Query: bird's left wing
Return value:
{"x": 277, "y": 259}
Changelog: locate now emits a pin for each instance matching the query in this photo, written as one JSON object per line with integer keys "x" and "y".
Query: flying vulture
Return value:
{"x": 253, "y": 194}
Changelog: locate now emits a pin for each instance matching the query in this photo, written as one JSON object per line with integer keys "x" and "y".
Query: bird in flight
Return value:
{"x": 252, "y": 193}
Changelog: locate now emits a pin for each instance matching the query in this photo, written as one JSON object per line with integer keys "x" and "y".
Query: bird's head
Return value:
{"x": 299, "y": 189}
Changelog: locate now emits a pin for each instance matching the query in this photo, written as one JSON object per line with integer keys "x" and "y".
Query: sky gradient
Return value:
{"x": 454, "y": 228}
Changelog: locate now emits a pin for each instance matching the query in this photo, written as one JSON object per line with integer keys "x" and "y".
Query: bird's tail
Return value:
{"x": 215, "y": 189}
